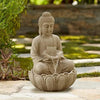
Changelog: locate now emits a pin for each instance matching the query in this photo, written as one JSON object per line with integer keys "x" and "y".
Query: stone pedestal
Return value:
{"x": 53, "y": 82}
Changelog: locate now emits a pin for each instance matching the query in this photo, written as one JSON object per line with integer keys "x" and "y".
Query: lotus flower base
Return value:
{"x": 53, "y": 82}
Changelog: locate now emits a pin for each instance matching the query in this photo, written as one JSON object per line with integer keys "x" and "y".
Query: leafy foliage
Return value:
{"x": 19, "y": 68}
{"x": 9, "y": 15}
{"x": 5, "y": 61}
{"x": 57, "y": 2}
{"x": 10, "y": 11}
{"x": 9, "y": 19}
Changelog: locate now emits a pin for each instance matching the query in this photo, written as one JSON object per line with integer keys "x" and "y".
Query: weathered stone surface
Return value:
{"x": 22, "y": 41}
{"x": 88, "y": 88}
{"x": 86, "y": 60}
{"x": 93, "y": 52}
{"x": 82, "y": 89}
{"x": 54, "y": 82}
{"x": 9, "y": 87}
{"x": 93, "y": 45}
{"x": 82, "y": 70}
{"x": 75, "y": 20}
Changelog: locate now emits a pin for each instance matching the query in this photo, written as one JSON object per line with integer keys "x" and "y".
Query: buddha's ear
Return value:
{"x": 40, "y": 31}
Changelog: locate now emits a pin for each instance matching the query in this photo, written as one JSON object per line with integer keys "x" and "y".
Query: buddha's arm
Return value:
{"x": 59, "y": 48}
{"x": 34, "y": 51}
{"x": 46, "y": 56}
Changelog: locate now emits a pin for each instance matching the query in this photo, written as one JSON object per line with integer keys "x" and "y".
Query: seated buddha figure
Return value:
{"x": 46, "y": 50}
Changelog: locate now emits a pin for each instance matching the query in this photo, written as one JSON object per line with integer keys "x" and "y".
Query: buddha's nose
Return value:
{"x": 49, "y": 29}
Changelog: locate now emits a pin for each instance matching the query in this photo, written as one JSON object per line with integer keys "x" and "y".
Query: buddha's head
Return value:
{"x": 46, "y": 24}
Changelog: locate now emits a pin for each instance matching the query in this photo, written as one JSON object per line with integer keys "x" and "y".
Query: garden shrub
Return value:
{"x": 10, "y": 11}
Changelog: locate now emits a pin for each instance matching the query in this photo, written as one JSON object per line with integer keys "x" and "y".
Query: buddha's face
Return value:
{"x": 47, "y": 28}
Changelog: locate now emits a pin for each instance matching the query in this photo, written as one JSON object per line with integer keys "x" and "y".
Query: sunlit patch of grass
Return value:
{"x": 67, "y": 37}
{"x": 81, "y": 38}
{"x": 39, "y": 2}
{"x": 94, "y": 74}
{"x": 22, "y": 50}
{"x": 21, "y": 36}
{"x": 57, "y": 2}
{"x": 79, "y": 41}
{"x": 73, "y": 50}
{"x": 18, "y": 46}
{"x": 81, "y": 56}
{"x": 25, "y": 63}
{"x": 71, "y": 47}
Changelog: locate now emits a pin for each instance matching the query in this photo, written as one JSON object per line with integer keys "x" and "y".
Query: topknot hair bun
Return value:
{"x": 46, "y": 14}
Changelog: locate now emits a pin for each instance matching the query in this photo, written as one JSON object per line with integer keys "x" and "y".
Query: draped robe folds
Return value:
{"x": 39, "y": 45}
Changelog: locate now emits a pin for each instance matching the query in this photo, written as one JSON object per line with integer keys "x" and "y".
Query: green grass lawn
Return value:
{"x": 87, "y": 64}
{"x": 94, "y": 74}
{"x": 74, "y": 50}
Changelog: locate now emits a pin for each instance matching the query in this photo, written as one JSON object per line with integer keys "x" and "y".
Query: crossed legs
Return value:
{"x": 46, "y": 68}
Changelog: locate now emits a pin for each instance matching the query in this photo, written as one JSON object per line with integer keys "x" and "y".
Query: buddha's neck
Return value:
{"x": 46, "y": 36}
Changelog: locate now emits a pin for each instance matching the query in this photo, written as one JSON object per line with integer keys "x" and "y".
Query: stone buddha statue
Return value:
{"x": 45, "y": 42}
{"x": 46, "y": 51}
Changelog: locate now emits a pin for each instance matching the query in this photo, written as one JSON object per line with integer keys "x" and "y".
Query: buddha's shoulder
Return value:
{"x": 55, "y": 36}
{"x": 37, "y": 38}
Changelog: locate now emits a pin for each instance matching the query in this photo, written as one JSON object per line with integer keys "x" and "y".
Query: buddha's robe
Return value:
{"x": 41, "y": 66}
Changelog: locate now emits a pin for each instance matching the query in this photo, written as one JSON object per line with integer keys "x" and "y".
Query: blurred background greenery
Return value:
{"x": 57, "y": 2}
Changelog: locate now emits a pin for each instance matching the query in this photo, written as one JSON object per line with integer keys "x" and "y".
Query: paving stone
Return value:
{"x": 82, "y": 89}
{"x": 22, "y": 40}
{"x": 93, "y": 52}
{"x": 86, "y": 60}
{"x": 9, "y": 87}
{"x": 96, "y": 39}
{"x": 64, "y": 41}
{"x": 87, "y": 88}
{"x": 24, "y": 55}
{"x": 94, "y": 45}
{"x": 28, "y": 47}
{"x": 82, "y": 70}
